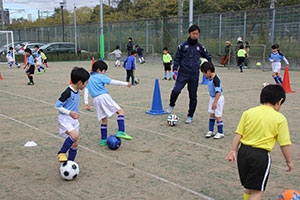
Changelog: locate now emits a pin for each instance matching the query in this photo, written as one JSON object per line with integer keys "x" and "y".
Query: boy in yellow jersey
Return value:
{"x": 44, "y": 58}
{"x": 242, "y": 55}
{"x": 259, "y": 128}
{"x": 167, "y": 63}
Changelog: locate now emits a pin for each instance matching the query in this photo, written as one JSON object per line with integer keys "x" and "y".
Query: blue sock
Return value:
{"x": 220, "y": 127}
{"x": 39, "y": 69}
{"x": 67, "y": 144}
{"x": 211, "y": 124}
{"x": 170, "y": 74}
{"x": 42, "y": 67}
{"x": 280, "y": 80}
{"x": 121, "y": 123}
{"x": 276, "y": 79}
{"x": 10, "y": 65}
{"x": 16, "y": 63}
{"x": 103, "y": 131}
{"x": 72, "y": 154}
{"x": 165, "y": 74}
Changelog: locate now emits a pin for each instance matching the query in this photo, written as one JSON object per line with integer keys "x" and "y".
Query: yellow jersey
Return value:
{"x": 262, "y": 126}
{"x": 241, "y": 53}
{"x": 43, "y": 56}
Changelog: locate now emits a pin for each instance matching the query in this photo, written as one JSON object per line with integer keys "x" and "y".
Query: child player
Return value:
{"x": 68, "y": 107}
{"x": 216, "y": 101}
{"x": 10, "y": 58}
{"x": 38, "y": 58}
{"x": 167, "y": 62}
{"x": 140, "y": 53}
{"x": 242, "y": 55}
{"x": 259, "y": 128}
{"x": 275, "y": 59}
{"x": 117, "y": 53}
{"x": 29, "y": 66}
{"x": 129, "y": 65}
{"x": 44, "y": 58}
{"x": 105, "y": 106}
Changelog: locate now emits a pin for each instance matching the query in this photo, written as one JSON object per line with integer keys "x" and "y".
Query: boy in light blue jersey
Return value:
{"x": 216, "y": 101}
{"x": 68, "y": 107}
{"x": 38, "y": 58}
{"x": 105, "y": 106}
{"x": 129, "y": 65}
{"x": 275, "y": 59}
{"x": 10, "y": 58}
{"x": 29, "y": 66}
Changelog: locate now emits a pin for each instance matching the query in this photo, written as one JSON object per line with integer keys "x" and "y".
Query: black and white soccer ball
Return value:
{"x": 172, "y": 120}
{"x": 69, "y": 170}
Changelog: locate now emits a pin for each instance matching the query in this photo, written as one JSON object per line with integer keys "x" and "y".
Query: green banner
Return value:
{"x": 102, "y": 47}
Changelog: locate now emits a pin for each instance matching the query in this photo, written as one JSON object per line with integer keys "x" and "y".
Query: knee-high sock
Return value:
{"x": 121, "y": 123}
{"x": 30, "y": 78}
{"x": 276, "y": 79}
{"x": 165, "y": 74}
{"x": 170, "y": 74}
{"x": 42, "y": 67}
{"x": 279, "y": 79}
{"x": 38, "y": 69}
{"x": 67, "y": 145}
{"x": 220, "y": 127}
{"x": 211, "y": 124}
{"x": 72, "y": 153}
{"x": 103, "y": 131}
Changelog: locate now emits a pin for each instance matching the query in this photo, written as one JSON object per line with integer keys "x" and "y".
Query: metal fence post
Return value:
{"x": 55, "y": 33}
{"x": 79, "y": 36}
{"x": 42, "y": 33}
{"x": 88, "y": 37}
{"x": 70, "y": 39}
{"x": 133, "y": 30}
{"x": 162, "y": 33}
{"x": 147, "y": 48}
{"x": 245, "y": 26}
{"x": 120, "y": 36}
{"x": 220, "y": 33}
{"x": 98, "y": 38}
{"x": 273, "y": 27}
{"x": 108, "y": 37}
{"x": 48, "y": 34}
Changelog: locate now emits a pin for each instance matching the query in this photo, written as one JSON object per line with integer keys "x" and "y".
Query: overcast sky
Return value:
{"x": 32, "y": 6}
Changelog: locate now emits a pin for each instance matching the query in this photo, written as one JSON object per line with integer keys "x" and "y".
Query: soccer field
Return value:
{"x": 161, "y": 162}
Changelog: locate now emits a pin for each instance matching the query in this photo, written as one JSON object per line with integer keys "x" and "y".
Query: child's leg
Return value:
{"x": 212, "y": 120}
{"x": 38, "y": 68}
{"x": 274, "y": 74}
{"x": 279, "y": 78}
{"x": 73, "y": 151}
{"x": 69, "y": 141}
{"x": 103, "y": 130}
{"x": 256, "y": 194}
{"x": 30, "y": 77}
{"x": 127, "y": 75}
{"x": 132, "y": 77}
{"x": 246, "y": 194}
{"x": 10, "y": 64}
{"x": 170, "y": 74}
{"x": 140, "y": 59}
{"x": 165, "y": 74}
{"x": 219, "y": 124}
{"x": 121, "y": 122}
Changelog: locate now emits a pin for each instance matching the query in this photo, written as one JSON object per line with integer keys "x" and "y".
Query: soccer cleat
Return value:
{"x": 103, "y": 142}
{"x": 219, "y": 136}
{"x": 170, "y": 79}
{"x": 123, "y": 135}
{"x": 165, "y": 78}
{"x": 169, "y": 109}
{"x": 38, "y": 72}
{"x": 62, "y": 157}
{"x": 189, "y": 120}
{"x": 30, "y": 83}
{"x": 45, "y": 69}
{"x": 209, "y": 134}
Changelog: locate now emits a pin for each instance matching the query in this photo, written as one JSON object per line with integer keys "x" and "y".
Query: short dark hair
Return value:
{"x": 28, "y": 50}
{"x": 241, "y": 46}
{"x": 207, "y": 66}
{"x": 136, "y": 46}
{"x": 99, "y": 64}
{"x": 272, "y": 94}
{"x": 133, "y": 52}
{"x": 11, "y": 48}
{"x": 275, "y": 46}
{"x": 41, "y": 50}
{"x": 117, "y": 47}
{"x": 165, "y": 49}
{"x": 79, "y": 74}
{"x": 129, "y": 38}
{"x": 36, "y": 46}
{"x": 194, "y": 27}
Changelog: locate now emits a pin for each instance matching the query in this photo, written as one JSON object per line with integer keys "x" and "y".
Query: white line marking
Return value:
{"x": 116, "y": 161}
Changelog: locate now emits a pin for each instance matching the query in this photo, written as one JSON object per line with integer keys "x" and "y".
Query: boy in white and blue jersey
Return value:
{"x": 68, "y": 107}
{"x": 105, "y": 106}
{"x": 29, "y": 66}
{"x": 118, "y": 54}
{"x": 38, "y": 58}
{"x": 216, "y": 101}
{"x": 10, "y": 58}
{"x": 275, "y": 59}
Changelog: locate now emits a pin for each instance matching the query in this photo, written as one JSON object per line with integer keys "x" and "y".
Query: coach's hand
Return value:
{"x": 175, "y": 74}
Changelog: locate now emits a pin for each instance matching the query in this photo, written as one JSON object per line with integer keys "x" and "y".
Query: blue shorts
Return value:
{"x": 118, "y": 58}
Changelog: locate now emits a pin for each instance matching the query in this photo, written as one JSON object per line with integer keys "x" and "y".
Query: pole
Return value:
{"x": 147, "y": 50}
{"x": 245, "y": 26}
{"x": 62, "y": 20}
{"x": 75, "y": 29}
{"x": 101, "y": 31}
{"x": 273, "y": 27}
{"x": 220, "y": 34}
{"x": 190, "y": 12}
{"x": 2, "y": 15}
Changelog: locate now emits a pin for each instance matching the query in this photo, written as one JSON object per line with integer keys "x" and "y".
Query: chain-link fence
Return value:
{"x": 263, "y": 26}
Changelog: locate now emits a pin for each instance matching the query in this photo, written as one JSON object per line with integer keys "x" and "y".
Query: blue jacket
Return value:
{"x": 129, "y": 63}
{"x": 188, "y": 57}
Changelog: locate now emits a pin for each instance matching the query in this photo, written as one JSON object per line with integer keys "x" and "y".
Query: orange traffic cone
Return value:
{"x": 1, "y": 77}
{"x": 93, "y": 61}
{"x": 25, "y": 60}
{"x": 286, "y": 81}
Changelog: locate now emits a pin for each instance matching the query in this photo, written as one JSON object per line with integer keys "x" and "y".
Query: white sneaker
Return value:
{"x": 189, "y": 120}
{"x": 209, "y": 134}
{"x": 218, "y": 136}
{"x": 169, "y": 109}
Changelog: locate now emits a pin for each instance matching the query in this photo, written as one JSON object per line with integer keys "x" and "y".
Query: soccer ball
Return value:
{"x": 265, "y": 84}
{"x": 113, "y": 142}
{"x": 258, "y": 64}
{"x": 290, "y": 195}
{"x": 69, "y": 170}
{"x": 172, "y": 120}
{"x": 137, "y": 81}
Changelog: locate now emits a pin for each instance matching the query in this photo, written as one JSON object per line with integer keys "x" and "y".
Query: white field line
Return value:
{"x": 113, "y": 160}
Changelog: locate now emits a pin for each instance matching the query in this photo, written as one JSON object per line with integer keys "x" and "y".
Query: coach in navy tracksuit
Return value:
{"x": 188, "y": 58}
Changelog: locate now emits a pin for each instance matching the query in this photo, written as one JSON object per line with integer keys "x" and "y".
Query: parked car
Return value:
{"x": 17, "y": 45}
{"x": 59, "y": 47}
{"x": 30, "y": 46}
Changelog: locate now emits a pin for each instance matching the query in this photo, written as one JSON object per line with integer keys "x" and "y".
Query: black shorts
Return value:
{"x": 45, "y": 61}
{"x": 31, "y": 69}
{"x": 241, "y": 60}
{"x": 167, "y": 66}
{"x": 254, "y": 166}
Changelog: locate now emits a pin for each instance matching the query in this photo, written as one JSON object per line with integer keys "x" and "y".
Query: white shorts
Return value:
{"x": 67, "y": 123}
{"x": 220, "y": 105}
{"x": 39, "y": 61}
{"x": 276, "y": 66}
{"x": 9, "y": 59}
{"x": 105, "y": 106}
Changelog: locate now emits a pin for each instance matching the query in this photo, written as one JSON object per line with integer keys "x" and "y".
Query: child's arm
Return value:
{"x": 286, "y": 151}
{"x": 285, "y": 60}
{"x": 120, "y": 83}
{"x": 124, "y": 64}
{"x": 86, "y": 99}
{"x": 60, "y": 103}
{"x": 231, "y": 157}
{"x": 214, "y": 106}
